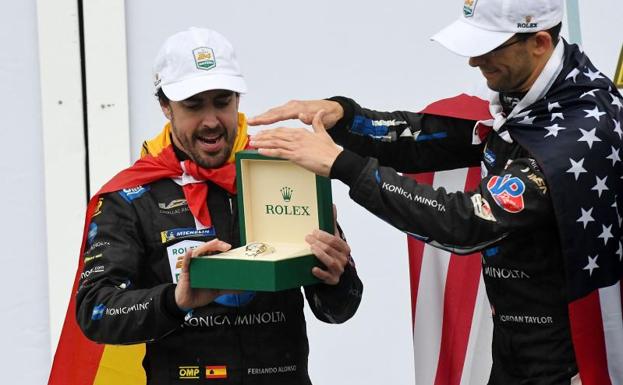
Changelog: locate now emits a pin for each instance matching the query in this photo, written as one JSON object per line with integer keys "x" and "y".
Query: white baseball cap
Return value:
{"x": 486, "y": 24}
{"x": 194, "y": 61}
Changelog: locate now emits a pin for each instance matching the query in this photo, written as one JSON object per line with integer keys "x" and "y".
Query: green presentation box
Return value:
{"x": 279, "y": 203}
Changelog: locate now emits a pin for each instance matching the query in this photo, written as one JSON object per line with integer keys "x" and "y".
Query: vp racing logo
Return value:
{"x": 507, "y": 191}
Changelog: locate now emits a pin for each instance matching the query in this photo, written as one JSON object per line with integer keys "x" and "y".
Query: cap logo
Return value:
{"x": 157, "y": 79}
{"x": 527, "y": 23}
{"x": 469, "y": 7}
{"x": 204, "y": 58}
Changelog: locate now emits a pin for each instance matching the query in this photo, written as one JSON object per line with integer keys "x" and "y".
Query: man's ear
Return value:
{"x": 166, "y": 109}
{"x": 542, "y": 43}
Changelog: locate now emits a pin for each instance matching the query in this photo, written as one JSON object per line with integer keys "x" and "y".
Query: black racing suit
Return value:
{"x": 126, "y": 296}
{"x": 508, "y": 218}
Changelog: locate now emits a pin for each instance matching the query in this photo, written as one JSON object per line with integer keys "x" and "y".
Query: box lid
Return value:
{"x": 279, "y": 201}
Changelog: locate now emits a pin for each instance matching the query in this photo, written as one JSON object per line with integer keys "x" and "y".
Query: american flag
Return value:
{"x": 575, "y": 134}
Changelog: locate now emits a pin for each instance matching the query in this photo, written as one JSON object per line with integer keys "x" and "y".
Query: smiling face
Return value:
{"x": 516, "y": 64}
{"x": 204, "y": 126}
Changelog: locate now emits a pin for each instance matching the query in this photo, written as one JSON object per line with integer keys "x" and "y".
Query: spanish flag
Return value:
{"x": 216, "y": 372}
{"x": 79, "y": 361}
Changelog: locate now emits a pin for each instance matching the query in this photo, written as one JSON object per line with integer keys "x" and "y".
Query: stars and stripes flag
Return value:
{"x": 575, "y": 134}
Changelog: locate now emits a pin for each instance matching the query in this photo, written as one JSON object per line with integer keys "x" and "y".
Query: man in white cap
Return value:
{"x": 178, "y": 201}
{"x": 546, "y": 215}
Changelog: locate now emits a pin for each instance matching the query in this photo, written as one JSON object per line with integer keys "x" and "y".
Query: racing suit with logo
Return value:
{"x": 508, "y": 218}
{"x": 126, "y": 295}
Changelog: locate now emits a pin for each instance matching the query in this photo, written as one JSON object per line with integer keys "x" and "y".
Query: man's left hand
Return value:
{"x": 332, "y": 251}
{"x": 314, "y": 151}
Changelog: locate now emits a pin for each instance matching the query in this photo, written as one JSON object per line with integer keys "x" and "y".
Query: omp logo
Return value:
{"x": 286, "y": 193}
{"x": 189, "y": 372}
{"x": 204, "y": 58}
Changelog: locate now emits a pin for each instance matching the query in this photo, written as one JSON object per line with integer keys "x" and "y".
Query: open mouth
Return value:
{"x": 211, "y": 142}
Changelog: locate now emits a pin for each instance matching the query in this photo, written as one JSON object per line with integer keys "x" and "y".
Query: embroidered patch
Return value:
{"x": 507, "y": 191}
{"x": 176, "y": 253}
{"x": 130, "y": 194}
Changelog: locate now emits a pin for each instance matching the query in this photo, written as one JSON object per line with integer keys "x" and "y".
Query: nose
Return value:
{"x": 476, "y": 61}
{"x": 210, "y": 119}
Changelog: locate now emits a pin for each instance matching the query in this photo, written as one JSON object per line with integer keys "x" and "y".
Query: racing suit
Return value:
{"x": 126, "y": 295}
{"x": 508, "y": 218}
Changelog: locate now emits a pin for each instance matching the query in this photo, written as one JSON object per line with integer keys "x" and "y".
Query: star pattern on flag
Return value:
{"x": 577, "y": 168}
{"x": 616, "y": 101}
{"x": 553, "y": 130}
{"x": 614, "y": 156}
{"x": 592, "y": 265}
{"x": 558, "y": 115}
{"x": 595, "y": 113}
{"x": 573, "y": 75}
{"x": 589, "y": 93}
{"x": 586, "y": 217}
{"x": 589, "y": 137}
{"x": 600, "y": 185}
{"x": 606, "y": 233}
{"x": 617, "y": 128}
{"x": 593, "y": 75}
{"x": 551, "y": 106}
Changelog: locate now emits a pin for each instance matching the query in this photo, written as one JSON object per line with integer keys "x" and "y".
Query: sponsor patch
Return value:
{"x": 176, "y": 252}
{"x": 482, "y": 209}
{"x": 92, "y": 233}
{"x": 98, "y": 312}
{"x": 186, "y": 232}
{"x": 130, "y": 194}
{"x": 215, "y": 372}
{"x": 507, "y": 191}
{"x": 489, "y": 157}
{"x": 98, "y": 208}
{"x": 90, "y": 258}
{"x": 204, "y": 58}
{"x": 173, "y": 204}
{"x": 469, "y": 8}
{"x": 539, "y": 182}
{"x": 189, "y": 372}
{"x": 93, "y": 270}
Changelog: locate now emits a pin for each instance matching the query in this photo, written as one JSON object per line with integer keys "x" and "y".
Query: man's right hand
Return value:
{"x": 185, "y": 296}
{"x": 303, "y": 110}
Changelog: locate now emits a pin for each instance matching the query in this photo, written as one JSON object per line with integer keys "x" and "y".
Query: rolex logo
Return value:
{"x": 286, "y": 193}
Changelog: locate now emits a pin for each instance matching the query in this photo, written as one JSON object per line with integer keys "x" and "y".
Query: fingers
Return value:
{"x": 186, "y": 262}
{"x": 290, "y": 110}
{"x": 330, "y": 243}
{"x": 332, "y": 251}
{"x": 317, "y": 123}
{"x": 210, "y": 247}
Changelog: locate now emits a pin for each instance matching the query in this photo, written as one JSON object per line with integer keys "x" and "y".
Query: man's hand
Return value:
{"x": 304, "y": 110}
{"x": 314, "y": 151}
{"x": 331, "y": 250}
{"x": 187, "y": 297}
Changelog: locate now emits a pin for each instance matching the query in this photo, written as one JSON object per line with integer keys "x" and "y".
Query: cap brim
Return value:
{"x": 466, "y": 39}
{"x": 186, "y": 88}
